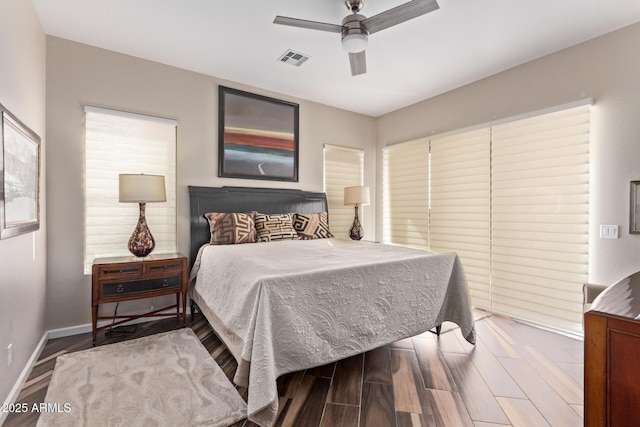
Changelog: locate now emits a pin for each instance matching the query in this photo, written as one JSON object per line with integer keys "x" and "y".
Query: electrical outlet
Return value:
{"x": 9, "y": 355}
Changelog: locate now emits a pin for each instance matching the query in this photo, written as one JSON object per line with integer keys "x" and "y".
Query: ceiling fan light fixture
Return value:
{"x": 354, "y": 34}
{"x": 354, "y": 42}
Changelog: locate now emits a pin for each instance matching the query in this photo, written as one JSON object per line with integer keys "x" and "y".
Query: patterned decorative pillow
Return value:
{"x": 312, "y": 226}
{"x": 231, "y": 228}
{"x": 275, "y": 227}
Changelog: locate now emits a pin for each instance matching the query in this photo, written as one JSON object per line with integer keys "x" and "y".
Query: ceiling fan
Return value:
{"x": 355, "y": 28}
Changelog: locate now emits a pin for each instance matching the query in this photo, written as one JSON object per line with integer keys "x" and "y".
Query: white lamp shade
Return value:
{"x": 356, "y": 195}
{"x": 141, "y": 188}
{"x": 353, "y": 43}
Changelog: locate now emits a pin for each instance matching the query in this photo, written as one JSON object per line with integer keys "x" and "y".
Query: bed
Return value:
{"x": 284, "y": 306}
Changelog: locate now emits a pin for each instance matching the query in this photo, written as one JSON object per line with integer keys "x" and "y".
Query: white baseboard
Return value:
{"x": 571, "y": 334}
{"x": 82, "y": 329}
{"x": 22, "y": 379}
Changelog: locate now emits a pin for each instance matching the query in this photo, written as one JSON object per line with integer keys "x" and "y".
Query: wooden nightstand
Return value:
{"x": 126, "y": 278}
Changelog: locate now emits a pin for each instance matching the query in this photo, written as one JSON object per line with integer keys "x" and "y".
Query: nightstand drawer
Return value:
{"x": 164, "y": 267}
{"x": 136, "y": 286}
{"x": 119, "y": 270}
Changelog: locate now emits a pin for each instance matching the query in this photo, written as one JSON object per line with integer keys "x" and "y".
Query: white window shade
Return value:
{"x": 512, "y": 200}
{"x": 118, "y": 143}
{"x": 460, "y": 214}
{"x": 540, "y": 214}
{"x": 406, "y": 194}
{"x": 343, "y": 167}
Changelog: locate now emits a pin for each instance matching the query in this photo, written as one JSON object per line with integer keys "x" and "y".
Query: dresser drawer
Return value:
{"x": 171, "y": 283}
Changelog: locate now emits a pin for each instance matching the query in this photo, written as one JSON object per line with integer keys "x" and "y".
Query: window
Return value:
{"x": 512, "y": 199}
{"x": 343, "y": 167}
{"x": 115, "y": 143}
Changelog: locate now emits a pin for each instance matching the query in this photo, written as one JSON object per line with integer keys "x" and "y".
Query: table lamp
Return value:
{"x": 142, "y": 189}
{"x": 356, "y": 196}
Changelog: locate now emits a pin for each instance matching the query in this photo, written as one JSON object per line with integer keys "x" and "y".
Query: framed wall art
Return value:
{"x": 257, "y": 136}
{"x": 19, "y": 177}
{"x": 634, "y": 209}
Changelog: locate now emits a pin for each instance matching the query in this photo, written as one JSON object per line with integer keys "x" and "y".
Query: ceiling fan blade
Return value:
{"x": 312, "y": 25}
{"x": 358, "y": 62}
{"x": 399, "y": 14}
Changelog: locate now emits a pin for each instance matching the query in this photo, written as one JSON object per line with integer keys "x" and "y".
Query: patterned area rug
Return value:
{"x": 166, "y": 379}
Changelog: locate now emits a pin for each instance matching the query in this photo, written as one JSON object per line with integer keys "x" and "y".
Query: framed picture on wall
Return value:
{"x": 634, "y": 216}
{"x": 19, "y": 177}
{"x": 257, "y": 136}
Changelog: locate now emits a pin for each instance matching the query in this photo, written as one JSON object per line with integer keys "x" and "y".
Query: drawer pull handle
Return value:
{"x": 165, "y": 283}
{"x": 120, "y": 289}
{"x": 122, "y": 270}
{"x": 164, "y": 267}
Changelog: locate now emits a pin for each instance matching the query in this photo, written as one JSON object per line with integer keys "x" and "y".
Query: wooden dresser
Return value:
{"x": 612, "y": 357}
{"x": 127, "y": 278}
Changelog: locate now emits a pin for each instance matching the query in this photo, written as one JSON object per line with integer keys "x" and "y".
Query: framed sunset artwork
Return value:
{"x": 257, "y": 136}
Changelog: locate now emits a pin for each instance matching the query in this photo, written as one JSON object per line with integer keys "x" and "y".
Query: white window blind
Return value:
{"x": 115, "y": 143}
{"x": 406, "y": 194}
{"x": 460, "y": 214}
{"x": 512, "y": 200}
{"x": 540, "y": 201}
{"x": 343, "y": 167}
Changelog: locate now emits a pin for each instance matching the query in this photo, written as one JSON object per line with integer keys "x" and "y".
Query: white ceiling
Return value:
{"x": 463, "y": 41}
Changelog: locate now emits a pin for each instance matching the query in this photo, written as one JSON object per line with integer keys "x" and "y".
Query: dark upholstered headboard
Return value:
{"x": 245, "y": 199}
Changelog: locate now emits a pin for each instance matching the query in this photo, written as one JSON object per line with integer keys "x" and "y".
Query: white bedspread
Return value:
{"x": 285, "y": 306}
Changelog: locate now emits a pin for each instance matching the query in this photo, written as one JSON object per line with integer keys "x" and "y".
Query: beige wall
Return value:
{"x": 79, "y": 75}
{"x": 606, "y": 69}
{"x": 22, "y": 258}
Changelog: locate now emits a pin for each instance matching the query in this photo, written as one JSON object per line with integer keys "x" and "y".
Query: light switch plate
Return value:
{"x": 609, "y": 231}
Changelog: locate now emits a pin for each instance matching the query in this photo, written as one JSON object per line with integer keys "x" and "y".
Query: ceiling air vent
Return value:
{"x": 294, "y": 58}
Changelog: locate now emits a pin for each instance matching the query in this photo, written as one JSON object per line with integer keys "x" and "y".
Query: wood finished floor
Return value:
{"x": 516, "y": 375}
